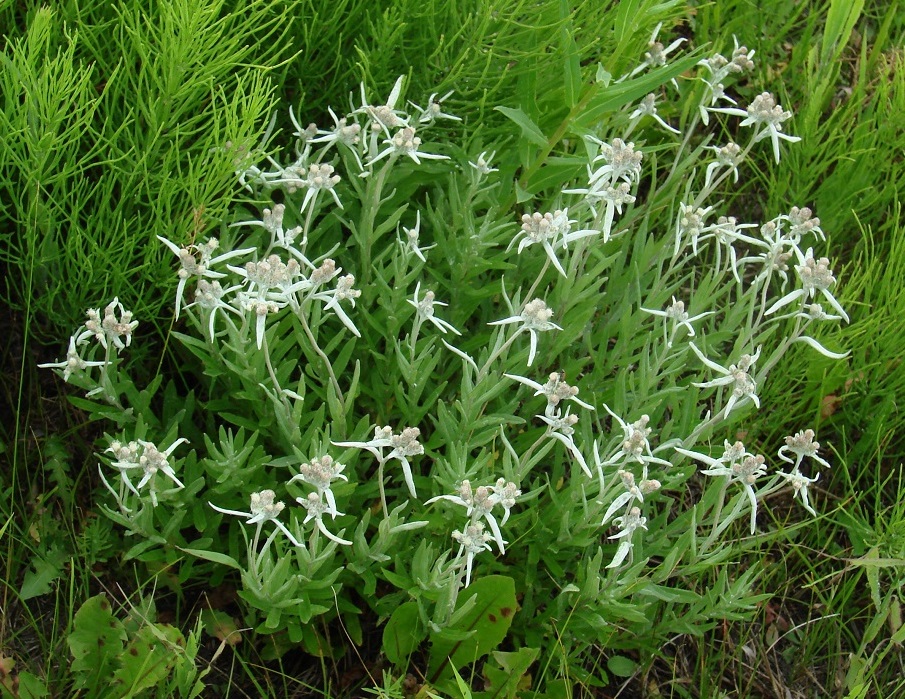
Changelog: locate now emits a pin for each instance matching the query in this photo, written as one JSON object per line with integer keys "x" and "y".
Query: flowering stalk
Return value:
{"x": 404, "y": 445}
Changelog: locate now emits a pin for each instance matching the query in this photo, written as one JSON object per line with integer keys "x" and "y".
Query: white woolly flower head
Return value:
{"x": 109, "y": 328}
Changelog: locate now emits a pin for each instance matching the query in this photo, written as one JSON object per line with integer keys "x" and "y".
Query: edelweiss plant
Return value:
{"x": 306, "y": 373}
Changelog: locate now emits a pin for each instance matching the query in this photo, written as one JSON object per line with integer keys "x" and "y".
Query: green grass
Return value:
{"x": 91, "y": 170}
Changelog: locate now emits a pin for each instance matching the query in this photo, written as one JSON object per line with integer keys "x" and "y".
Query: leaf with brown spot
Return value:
{"x": 482, "y": 619}
{"x": 221, "y": 626}
{"x": 96, "y": 641}
{"x": 150, "y": 657}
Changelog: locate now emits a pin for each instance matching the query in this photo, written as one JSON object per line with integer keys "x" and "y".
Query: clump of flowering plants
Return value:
{"x": 413, "y": 384}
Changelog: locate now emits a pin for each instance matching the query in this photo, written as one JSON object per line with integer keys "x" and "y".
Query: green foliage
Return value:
{"x": 125, "y": 658}
{"x": 479, "y": 624}
{"x": 402, "y": 634}
{"x": 532, "y": 81}
{"x": 91, "y": 171}
{"x": 297, "y": 572}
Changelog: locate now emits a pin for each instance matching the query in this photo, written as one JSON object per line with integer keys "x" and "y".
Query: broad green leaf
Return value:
{"x": 221, "y": 626}
{"x": 625, "y": 23}
{"x": 530, "y": 130}
{"x": 462, "y": 685}
{"x": 555, "y": 173}
{"x": 603, "y": 76}
{"x": 43, "y": 571}
{"x": 572, "y": 67}
{"x": 840, "y": 21}
{"x": 146, "y": 661}
{"x": 402, "y": 634}
{"x": 522, "y": 194}
{"x": 96, "y": 642}
{"x": 510, "y": 676}
{"x": 669, "y": 594}
{"x": 31, "y": 686}
{"x": 617, "y": 95}
{"x": 487, "y": 621}
{"x": 214, "y": 557}
{"x": 621, "y": 666}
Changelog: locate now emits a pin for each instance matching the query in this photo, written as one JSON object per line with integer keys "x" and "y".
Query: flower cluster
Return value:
{"x": 551, "y": 231}
{"x": 634, "y": 448}
{"x": 738, "y": 465}
{"x": 479, "y": 504}
{"x": 719, "y": 68}
{"x": 145, "y": 458}
{"x": 263, "y": 288}
{"x": 320, "y": 473}
{"x": 801, "y": 445}
{"x": 611, "y": 182}
{"x": 401, "y": 446}
{"x": 560, "y": 426}
{"x": 112, "y": 332}
{"x": 283, "y": 276}
{"x": 767, "y": 117}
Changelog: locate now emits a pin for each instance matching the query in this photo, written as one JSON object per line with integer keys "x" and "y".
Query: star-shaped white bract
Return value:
{"x": 675, "y": 316}
{"x": 720, "y": 68}
{"x": 272, "y": 222}
{"x": 551, "y": 231}
{"x": 648, "y": 107}
{"x": 736, "y": 375}
{"x": 482, "y": 164}
{"x": 344, "y": 291}
{"x": 633, "y": 491}
{"x": 479, "y": 503}
{"x": 424, "y": 308}
{"x": 320, "y": 177}
{"x": 73, "y": 364}
{"x": 197, "y": 260}
{"x": 534, "y": 318}
{"x": 412, "y": 243}
{"x": 767, "y": 117}
{"x": 737, "y": 465}
{"x": 627, "y": 524}
{"x": 802, "y": 445}
{"x": 385, "y": 116}
{"x": 472, "y": 541}
{"x": 263, "y": 508}
{"x": 146, "y": 457}
{"x": 402, "y": 446}
{"x": 405, "y": 142}
{"x": 343, "y": 133}
{"x": 562, "y": 429}
{"x": 434, "y": 110}
{"x": 270, "y": 285}
{"x": 656, "y": 53}
{"x": 728, "y": 156}
{"x": 209, "y": 296}
{"x": 110, "y": 328}
{"x": 634, "y": 445}
{"x": 800, "y": 484}
{"x": 690, "y": 224}
{"x": 815, "y": 276}
{"x": 321, "y": 472}
{"x": 555, "y": 390}
{"x": 317, "y": 508}
{"x": 726, "y": 231}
